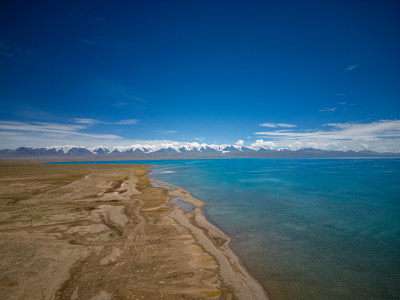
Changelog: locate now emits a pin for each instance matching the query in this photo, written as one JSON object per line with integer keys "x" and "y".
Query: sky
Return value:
{"x": 323, "y": 74}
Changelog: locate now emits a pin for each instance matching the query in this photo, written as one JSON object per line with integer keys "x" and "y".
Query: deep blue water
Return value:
{"x": 305, "y": 228}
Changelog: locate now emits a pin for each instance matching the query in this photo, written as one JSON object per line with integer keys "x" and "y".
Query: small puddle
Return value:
{"x": 185, "y": 206}
{"x": 155, "y": 184}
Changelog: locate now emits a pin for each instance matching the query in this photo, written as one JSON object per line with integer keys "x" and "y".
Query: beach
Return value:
{"x": 106, "y": 232}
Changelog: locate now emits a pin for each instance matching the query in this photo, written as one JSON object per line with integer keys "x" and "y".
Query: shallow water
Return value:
{"x": 305, "y": 228}
{"x": 185, "y": 206}
{"x": 155, "y": 184}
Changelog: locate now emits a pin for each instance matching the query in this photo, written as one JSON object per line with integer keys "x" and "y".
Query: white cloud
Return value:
{"x": 167, "y": 132}
{"x": 328, "y": 109}
{"x": 383, "y": 135}
{"x": 273, "y": 125}
{"x": 239, "y": 143}
{"x": 39, "y": 127}
{"x": 125, "y": 122}
{"x": 86, "y": 121}
{"x": 95, "y": 121}
{"x": 39, "y": 134}
{"x": 52, "y": 128}
{"x": 264, "y": 144}
{"x": 352, "y": 67}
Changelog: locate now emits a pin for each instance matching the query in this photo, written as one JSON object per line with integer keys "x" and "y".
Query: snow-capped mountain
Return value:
{"x": 182, "y": 149}
{"x": 175, "y": 147}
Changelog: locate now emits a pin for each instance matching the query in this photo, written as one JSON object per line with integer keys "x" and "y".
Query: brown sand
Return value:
{"x": 104, "y": 232}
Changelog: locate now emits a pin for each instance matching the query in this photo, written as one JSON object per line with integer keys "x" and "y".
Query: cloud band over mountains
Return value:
{"x": 380, "y": 136}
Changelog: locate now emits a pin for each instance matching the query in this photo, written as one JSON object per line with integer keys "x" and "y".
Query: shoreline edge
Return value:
{"x": 214, "y": 241}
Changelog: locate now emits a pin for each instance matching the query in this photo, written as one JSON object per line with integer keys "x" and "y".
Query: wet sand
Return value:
{"x": 105, "y": 232}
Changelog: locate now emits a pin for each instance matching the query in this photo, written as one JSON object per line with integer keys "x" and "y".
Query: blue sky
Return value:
{"x": 121, "y": 72}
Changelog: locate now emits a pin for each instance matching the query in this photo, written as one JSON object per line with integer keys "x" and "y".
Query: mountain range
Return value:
{"x": 182, "y": 150}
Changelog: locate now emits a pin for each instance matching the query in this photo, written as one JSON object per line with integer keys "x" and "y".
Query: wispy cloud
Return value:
{"x": 167, "y": 131}
{"x": 383, "y": 135}
{"x": 342, "y": 102}
{"x": 95, "y": 121}
{"x": 126, "y": 122}
{"x": 352, "y": 67}
{"x": 86, "y": 121}
{"x": 274, "y": 125}
{"x": 201, "y": 139}
{"x": 328, "y": 109}
{"x": 39, "y": 134}
{"x": 53, "y": 128}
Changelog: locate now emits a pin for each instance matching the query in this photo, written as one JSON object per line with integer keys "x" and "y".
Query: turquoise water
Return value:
{"x": 305, "y": 228}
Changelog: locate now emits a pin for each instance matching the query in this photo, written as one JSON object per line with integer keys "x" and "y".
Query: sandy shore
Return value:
{"x": 215, "y": 242}
{"x": 105, "y": 232}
